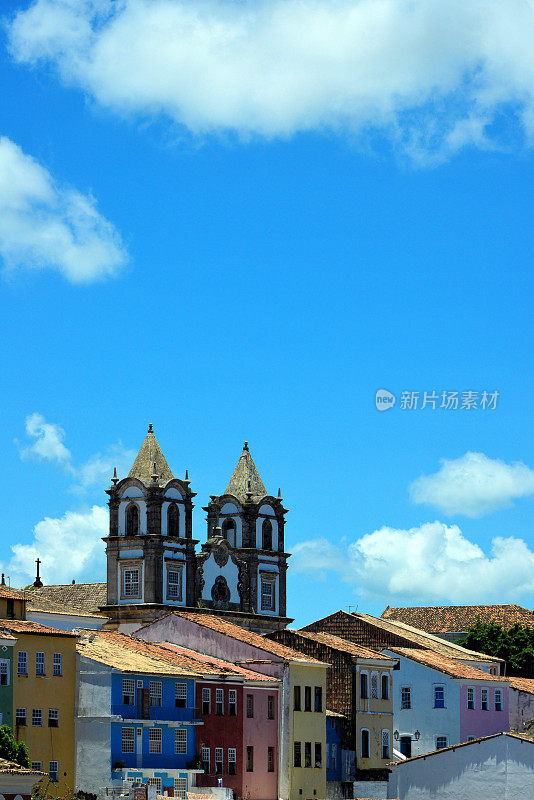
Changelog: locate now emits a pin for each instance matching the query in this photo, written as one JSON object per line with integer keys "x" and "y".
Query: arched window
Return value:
{"x": 267, "y": 535}
{"x": 132, "y": 520}
{"x": 173, "y": 520}
{"x": 228, "y": 531}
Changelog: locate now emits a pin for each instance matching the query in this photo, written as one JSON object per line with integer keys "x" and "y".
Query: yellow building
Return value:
{"x": 307, "y": 730}
{"x": 374, "y": 712}
{"x": 44, "y": 686}
{"x": 12, "y": 602}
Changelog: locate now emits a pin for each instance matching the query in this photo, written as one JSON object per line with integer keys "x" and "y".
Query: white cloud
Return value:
{"x": 429, "y": 564}
{"x": 45, "y": 226}
{"x": 98, "y": 470}
{"x": 48, "y": 440}
{"x": 433, "y": 75}
{"x": 69, "y": 547}
{"x": 473, "y": 485}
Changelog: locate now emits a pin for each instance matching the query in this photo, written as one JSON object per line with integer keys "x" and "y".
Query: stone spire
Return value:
{"x": 245, "y": 483}
{"x": 150, "y": 461}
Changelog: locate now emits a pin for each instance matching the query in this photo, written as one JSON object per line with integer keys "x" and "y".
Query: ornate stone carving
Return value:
{"x": 220, "y": 593}
{"x": 220, "y": 554}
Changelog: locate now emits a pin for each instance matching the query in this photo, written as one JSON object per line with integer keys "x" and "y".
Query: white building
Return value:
{"x": 521, "y": 703}
{"x": 490, "y": 768}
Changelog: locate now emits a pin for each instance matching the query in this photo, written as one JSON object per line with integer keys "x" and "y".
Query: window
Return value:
{"x": 470, "y": 697}
{"x": 155, "y": 782}
{"x": 53, "y": 718}
{"x": 39, "y": 663}
{"x": 37, "y": 717}
{"x": 334, "y": 756}
{"x": 439, "y": 697}
{"x": 180, "y": 695}
{"x": 270, "y": 707}
{"x": 385, "y": 744}
{"x": 154, "y": 740}
{"x": 270, "y": 759}
{"x": 374, "y": 686}
{"x": 132, "y": 520}
{"x": 219, "y": 702}
{"x": 57, "y": 664}
{"x": 307, "y": 754}
{"x": 22, "y": 667}
{"x": 385, "y": 687}
{"x": 180, "y": 740}
{"x": 498, "y": 699}
{"x": 250, "y": 705}
{"x": 174, "y": 584}
{"x": 228, "y": 531}
{"x": 318, "y": 755}
{"x": 441, "y": 741}
{"x": 470, "y": 738}
{"x": 232, "y": 760}
{"x": 296, "y": 698}
{"x": 206, "y": 759}
{"x": 131, "y": 583}
{"x": 20, "y": 716}
{"x": 365, "y": 743}
{"x": 53, "y": 771}
{"x": 128, "y": 692}
{"x": 307, "y": 698}
{"x": 155, "y": 693}
{"x": 406, "y": 697}
{"x": 267, "y": 593}
{"x": 232, "y": 702}
{"x": 297, "y": 755}
{"x": 173, "y": 520}
{"x": 493, "y": 670}
{"x": 250, "y": 759}
{"x": 484, "y": 699}
{"x": 4, "y": 672}
{"x": 180, "y": 788}
{"x": 218, "y": 760}
{"x": 364, "y": 688}
{"x": 206, "y": 701}
{"x": 128, "y": 740}
{"x": 267, "y": 535}
{"x": 318, "y": 698}
{"x": 37, "y": 766}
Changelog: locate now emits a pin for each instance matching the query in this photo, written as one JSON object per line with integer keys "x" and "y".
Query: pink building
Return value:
{"x": 483, "y": 709}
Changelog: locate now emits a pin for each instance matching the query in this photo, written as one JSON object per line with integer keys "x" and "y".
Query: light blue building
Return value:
{"x": 334, "y": 724}
{"x": 135, "y": 716}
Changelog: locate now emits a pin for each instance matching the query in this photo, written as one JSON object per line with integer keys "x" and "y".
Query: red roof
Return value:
{"x": 11, "y": 594}
{"x": 25, "y": 626}
{"x": 522, "y": 684}
{"x": 457, "y": 619}
{"x": 342, "y": 645}
{"x": 450, "y": 666}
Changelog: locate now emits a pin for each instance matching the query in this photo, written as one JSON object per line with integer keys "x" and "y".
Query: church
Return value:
{"x": 153, "y": 566}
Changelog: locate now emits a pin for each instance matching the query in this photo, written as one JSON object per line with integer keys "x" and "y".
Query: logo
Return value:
{"x": 384, "y": 400}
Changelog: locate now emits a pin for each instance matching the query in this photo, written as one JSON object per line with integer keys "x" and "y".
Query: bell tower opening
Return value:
{"x": 132, "y": 520}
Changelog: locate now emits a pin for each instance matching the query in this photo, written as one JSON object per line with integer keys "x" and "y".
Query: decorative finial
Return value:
{"x": 279, "y": 494}
{"x": 154, "y": 475}
{"x": 150, "y": 430}
{"x": 186, "y": 479}
{"x": 213, "y": 497}
{"x": 114, "y": 479}
{"x": 245, "y": 446}
{"x": 3, "y": 579}
{"x": 73, "y": 581}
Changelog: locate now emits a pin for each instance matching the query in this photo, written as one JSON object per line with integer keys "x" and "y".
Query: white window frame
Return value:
{"x": 439, "y": 687}
{"x": 155, "y": 782}
{"x": 497, "y": 699}
{"x": 232, "y": 759}
{"x": 156, "y": 693}
{"x": 443, "y": 739}
{"x": 385, "y": 742}
{"x": 374, "y": 693}
{"x": 53, "y": 716}
{"x": 268, "y": 598}
{"x": 219, "y": 759}
{"x": 37, "y": 766}
{"x": 175, "y": 585}
{"x": 128, "y": 585}
{"x": 232, "y": 702}
{"x": 155, "y": 741}
{"x": 219, "y": 702}
{"x": 4, "y": 672}
{"x": 53, "y": 771}
{"x": 19, "y": 715}
{"x": 22, "y": 661}
{"x": 40, "y": 663}
{"x": 128, "y": 690}
{"x": 484, "y": 699}
{"x": 180, "y": 741}
{"x": 128, "y": 740}
{"x": 180, "y": 694}
{"x": 206, "y": 698}
{"x": 205, "y": 754}
{"x": 57, "y": 665}
{"x": 180, "y": 788}
{"x": 407, "y": 689}
{"x": 471, "y": 698}
{"x": 37, "y": 714}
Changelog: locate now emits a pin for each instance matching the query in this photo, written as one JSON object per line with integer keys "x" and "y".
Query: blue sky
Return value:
{"x": 246, "y": 259}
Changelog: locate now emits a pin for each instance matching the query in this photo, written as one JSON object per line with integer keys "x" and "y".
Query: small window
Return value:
{"x": 206, "y": 760}
{"x": 385, "y": 686}
{"x": 180, "y": 695}
{"x": 365, "y": 743}
{"x": 4, "y": 672}
{"x": 250, "y": 759}
{"x": 53, "y": 771}
{"x": 470, "y": 697}
{"x": 155, "y": 693}
{"x": 267, "y": 535}
{"x": 132, "y": 520}
{"x": 318, "y": 755}
{"x": 484, "y": 699}
{"x": 364, "y": 686}
{"x": 174, "y": 584}
{"x": 154, "y": 740}
{"x": 128, "y": 740}
{"x": 37, "y": 766}
{"x": 128, "y": 692}
{"x": 307, "y": 754}
{"x": 439, "y": 697}
{"x": 307, "y": 698}
{"x": 441, "y": 742}
{"x": 157, "y": 783}
{"x": 22, "y": 666}
{"x": 498, "y": 699}
{"x": 180, "y": 788}
{"x": 374, "y": 686}
{"x": 232, "y": 760}
{"x": 173, "y": 520}
{"x": 20, "y": 716}
{"x": 385, "y": 744}
{"x": 406, "y": 697}
{"x": 270, "y": 706}
{"x": 53, "y": 718}
{"x": 206, "y": 701}
{"x": 270, "y": 759}
{"x": 297, "y": 754}
{"x": 57, "y": 664}
{"x": 180, "y": 740}
{"x": 267, "y": 594}
{"x": 318, "y": 698}
{"x": 296, "y": 698}
{"x": 39, "y": 663}
{"x": 250, "y": 705}
{"x": 37, "y": 717}
{"x": 232, "y": 702}
{"x": 219, "y": 702}
{"x": 218, "y": 760}
{"x": 131, "y": 583}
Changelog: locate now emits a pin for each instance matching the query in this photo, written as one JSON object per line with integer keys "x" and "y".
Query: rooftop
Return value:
{"x": 457, "y": 619}
{"x": 44, "y": 604}
{"x": 26, "y": 626}
{"x": 218, "y": 665}
{"x": 11, "y": 768}
{"x": 246, "y": 478}
{"x": 11, "y": 594}
{"x": 449, "y": 666}
{"x": 342, "y": 645}
{"x": 150, "y": 454}
{"x": 522, "y": 684}
{"x": 121, "y": 652}
{"x": 463, "y": 744}
{"x": 80, "y": 596}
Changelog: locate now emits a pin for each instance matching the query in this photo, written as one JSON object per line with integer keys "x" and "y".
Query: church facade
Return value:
{"x": 153, "y": 566}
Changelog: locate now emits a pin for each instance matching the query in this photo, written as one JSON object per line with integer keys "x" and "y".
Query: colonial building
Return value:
{"x": 152, "y": 566}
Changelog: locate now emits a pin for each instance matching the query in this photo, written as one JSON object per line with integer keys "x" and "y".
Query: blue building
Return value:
{"x": 135, "y": 716}
{"x": 334, "y": 724}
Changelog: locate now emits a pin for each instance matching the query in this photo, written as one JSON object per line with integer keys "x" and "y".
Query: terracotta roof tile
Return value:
{"x": 522, "y": 684}
{"x": 337, "y": 643}
{"x": 44, "y": 604}
{"x": 451, "y": 619}
{"x": 10, "y": 767}
{"x": 83, "y": 596}
{"x": 11, "y": 594}
{"x": 450, "y": 666}
{"x": 120, "y": 651}
{"x": 26, "y": 626}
